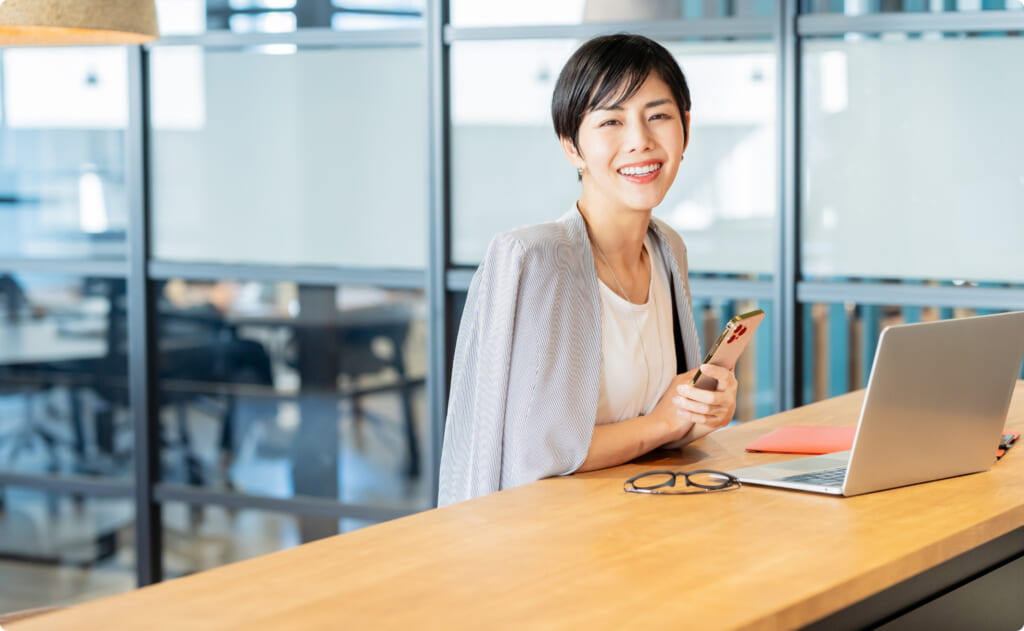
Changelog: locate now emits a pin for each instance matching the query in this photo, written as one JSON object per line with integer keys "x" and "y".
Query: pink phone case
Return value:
{"x": 726, "y": 351}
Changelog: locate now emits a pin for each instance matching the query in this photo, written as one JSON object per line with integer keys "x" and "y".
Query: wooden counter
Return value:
{"x": 578, "y": 553}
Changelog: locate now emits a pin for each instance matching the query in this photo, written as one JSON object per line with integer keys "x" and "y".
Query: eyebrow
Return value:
{"x": 646, "y": 107}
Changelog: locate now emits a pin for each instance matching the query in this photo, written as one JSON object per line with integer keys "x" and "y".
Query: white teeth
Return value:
{"x": 650, "y": 168}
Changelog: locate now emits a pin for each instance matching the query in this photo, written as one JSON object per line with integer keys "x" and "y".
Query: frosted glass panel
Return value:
{"x": 861, "y": 7}
{"x": 491, "y": 13}
{"x": 186, "y": 17}
{"x": 317, "y": 157}
{"x": 508, "y": 168}
{"x": 62, "y": 152}
{"x": 912, "y": 165}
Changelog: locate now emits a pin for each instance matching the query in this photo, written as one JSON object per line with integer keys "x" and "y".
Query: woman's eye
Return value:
{"x": 609, "y": 122}
{"x": 660, "y": 117}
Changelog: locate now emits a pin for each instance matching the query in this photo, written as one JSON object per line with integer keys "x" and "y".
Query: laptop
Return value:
{"x": 935, "y": 407}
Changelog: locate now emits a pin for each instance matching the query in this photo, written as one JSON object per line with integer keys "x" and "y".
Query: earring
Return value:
{"x": 682, "y": 157}
{"x": 579, "y": 172}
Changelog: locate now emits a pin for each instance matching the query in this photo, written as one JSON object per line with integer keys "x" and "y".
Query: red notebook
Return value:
{"x": 805, "y": 439}
{"x": 1009, "y": 438}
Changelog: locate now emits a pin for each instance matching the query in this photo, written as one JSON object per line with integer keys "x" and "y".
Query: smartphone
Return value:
{"x": 726, "y": 350}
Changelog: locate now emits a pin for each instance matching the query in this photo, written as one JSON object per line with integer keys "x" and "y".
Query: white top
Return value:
{"x": 638, "y": 359}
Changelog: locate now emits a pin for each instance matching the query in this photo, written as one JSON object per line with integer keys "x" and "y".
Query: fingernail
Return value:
{"x": 677, "y": 400}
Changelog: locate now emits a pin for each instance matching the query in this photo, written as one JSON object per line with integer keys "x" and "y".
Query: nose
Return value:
{"x": 638, "y": 136}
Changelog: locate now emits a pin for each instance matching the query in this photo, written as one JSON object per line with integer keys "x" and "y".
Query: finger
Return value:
{"x": 716, "y": 371}
{"x": 683, "y": 379}
{"x": 694, "y": 417}
{"x": 727, "y": 384}
{"x": 719, "y": 417}
{"x": 693, "y": 406}
{"x": 721, "y": 407}
{"x": 726, "y": 379}
{"x": 708, "y": 420}
{"x": 697, "y": 394}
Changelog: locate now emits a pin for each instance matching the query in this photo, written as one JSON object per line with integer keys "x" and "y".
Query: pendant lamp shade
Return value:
{"x": 58, "y": 22}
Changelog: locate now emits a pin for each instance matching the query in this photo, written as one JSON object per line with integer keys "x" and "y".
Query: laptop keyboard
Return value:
{"x": 826, "y": 477}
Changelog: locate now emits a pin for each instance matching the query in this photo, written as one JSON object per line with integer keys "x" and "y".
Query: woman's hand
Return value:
{"x": 711, "y": 408}
{"x": 683, "y": 414}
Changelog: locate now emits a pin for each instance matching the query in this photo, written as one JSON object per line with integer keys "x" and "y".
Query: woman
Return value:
{"x": 577, "y": 343}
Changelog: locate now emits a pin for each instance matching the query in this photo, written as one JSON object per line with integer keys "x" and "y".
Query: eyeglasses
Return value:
{"x": 664, "y": 482}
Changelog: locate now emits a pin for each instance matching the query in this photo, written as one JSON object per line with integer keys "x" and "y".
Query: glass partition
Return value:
{"x": 314, "y": 157}
{"x": 840, "y": 341}
{"x": 198, "y": 538}
{"x": 862, "y": 7}
{"x": 524, "y": 12}
{"x": 64, "y": 405}
{"x": 911, "y": 161}
{"x": 190, "y": 17}
{"x": 508, "y": 168}
{"x": 58, "y": 549}
{"x": 288, "y": 390}
{"x": 62, "y": 169}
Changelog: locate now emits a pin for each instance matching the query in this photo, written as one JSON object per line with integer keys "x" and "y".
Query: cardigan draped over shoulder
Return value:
{"x": 527, "y": 366}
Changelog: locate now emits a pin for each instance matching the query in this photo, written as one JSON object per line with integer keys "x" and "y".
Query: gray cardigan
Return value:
{"x": 527, "y": 364}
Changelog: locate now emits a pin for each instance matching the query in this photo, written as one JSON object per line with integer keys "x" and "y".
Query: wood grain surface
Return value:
{"x": 576, "y": 552}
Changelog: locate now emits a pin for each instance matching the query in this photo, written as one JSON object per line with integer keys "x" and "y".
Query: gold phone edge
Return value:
{"x": 736, "y": 319}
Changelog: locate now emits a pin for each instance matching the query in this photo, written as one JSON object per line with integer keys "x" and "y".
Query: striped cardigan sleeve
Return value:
{"x": 474, "y": 428}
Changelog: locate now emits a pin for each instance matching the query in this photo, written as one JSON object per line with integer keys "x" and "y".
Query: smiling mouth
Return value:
{"x": 646, "y": 169}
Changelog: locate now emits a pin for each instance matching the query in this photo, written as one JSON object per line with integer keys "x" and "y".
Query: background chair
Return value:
{"x": 371, "y": 340}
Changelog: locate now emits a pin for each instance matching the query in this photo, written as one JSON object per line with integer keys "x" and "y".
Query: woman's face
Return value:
{"x": 630, "y": 152}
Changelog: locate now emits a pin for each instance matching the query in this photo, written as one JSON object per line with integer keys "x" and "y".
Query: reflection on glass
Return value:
{"x": 314, "y": 158}
{"x": 268, "y": 22}
{"x": 198, "y": 538}
{"x": 64, "y": 405}
{"x": 524, "y": 12}
{"x": 58, "y": 550}
{"x": 840, "y": 342}
{"x": 189, "y": 17}
{"x": 377, "y": 14}
{"x": 724, "y": 198}
{"x": 360, "y": 21}
{"x": 241, "y": 5}
{"x": 913, "y": 179}
{"x": 861, "y": 7}
{"x": 62, "y": 167}
{"x": 285, "y": 390}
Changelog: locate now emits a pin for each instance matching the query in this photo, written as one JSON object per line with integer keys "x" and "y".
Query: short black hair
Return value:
{"x": 612, "y": 67}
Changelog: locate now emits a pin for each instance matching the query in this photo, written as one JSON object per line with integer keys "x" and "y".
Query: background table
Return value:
{"x": 576, "y": 552}
{"x": 41, "y": 341}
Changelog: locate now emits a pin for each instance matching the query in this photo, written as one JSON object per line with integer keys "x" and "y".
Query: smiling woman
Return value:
{"x": 577, "y": 344}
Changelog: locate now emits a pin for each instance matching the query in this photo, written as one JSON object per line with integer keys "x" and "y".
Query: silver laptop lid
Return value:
{"x": 936, "y": 401}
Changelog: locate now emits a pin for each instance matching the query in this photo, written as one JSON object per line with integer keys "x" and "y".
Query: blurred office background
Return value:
{"x": 232, "y": 262}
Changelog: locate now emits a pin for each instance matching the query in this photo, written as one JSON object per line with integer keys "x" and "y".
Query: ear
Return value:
{"x": 572, "y": 154}
{"x": 686, "y": 130}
